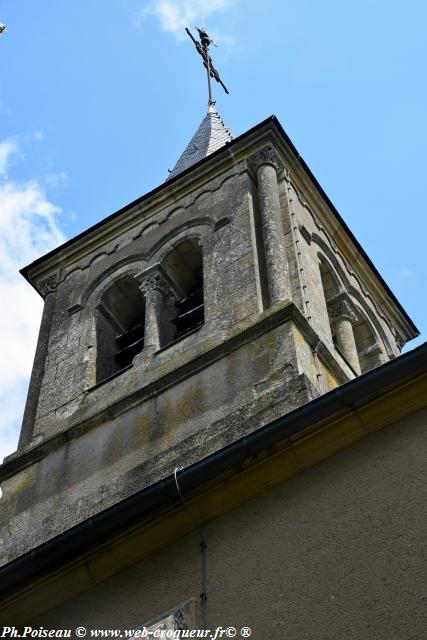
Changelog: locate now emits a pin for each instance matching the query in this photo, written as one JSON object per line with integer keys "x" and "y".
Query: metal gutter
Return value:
{"x": 86, "y": 536}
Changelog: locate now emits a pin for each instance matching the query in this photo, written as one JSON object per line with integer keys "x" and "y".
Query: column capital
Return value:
{"x": 266, "y": 156}
{"x": 155, "y": 278}
{"x": 342, "y": 307}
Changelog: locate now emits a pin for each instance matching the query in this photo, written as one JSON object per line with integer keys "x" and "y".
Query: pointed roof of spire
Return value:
{"x": 209, "y": 137}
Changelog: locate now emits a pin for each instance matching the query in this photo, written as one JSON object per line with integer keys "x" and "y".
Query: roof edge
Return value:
{"x": 347, "y": 398}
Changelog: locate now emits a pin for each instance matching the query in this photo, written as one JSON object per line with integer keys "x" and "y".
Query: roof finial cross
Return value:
{"x": 203, "y": 49}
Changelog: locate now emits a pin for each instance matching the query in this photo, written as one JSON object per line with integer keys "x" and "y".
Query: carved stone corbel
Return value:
{"x": 48, "y": 285}
{"x": 400, "y": 342}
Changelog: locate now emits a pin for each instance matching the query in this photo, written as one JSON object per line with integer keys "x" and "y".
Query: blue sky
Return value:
{"x": 98, "y": 99}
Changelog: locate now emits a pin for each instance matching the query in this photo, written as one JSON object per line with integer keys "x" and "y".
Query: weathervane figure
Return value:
{"x": 203, "y": 49}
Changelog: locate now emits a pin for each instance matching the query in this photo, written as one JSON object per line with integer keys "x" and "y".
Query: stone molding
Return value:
{"x": 342, "y": 307}
{"x": 263, "y": 323}
{"x": 305, "y": 233}
{"x": 400, "y": 342}
{"x": 266, "y": 156}
{"x": 48, "y": 285}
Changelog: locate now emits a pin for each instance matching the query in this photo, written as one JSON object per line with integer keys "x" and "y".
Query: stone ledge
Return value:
{"x": 237, "y": 335}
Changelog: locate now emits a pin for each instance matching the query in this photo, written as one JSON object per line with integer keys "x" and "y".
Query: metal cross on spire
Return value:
{"x": 203, "y": 48}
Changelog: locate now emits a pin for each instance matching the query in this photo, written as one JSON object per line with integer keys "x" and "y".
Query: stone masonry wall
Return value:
{"x": 129, "y": 447}
{"x": 231, "y": 289}
{"x": 264, "y": 349}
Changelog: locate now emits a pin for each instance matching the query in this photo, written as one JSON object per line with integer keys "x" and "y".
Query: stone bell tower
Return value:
{"x": 228, "y": 296}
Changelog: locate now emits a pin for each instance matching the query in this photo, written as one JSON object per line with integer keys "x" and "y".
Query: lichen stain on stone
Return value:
{"x": 272, "y": 340}
{"x": 18, "y": 483}
{"x": 142, "y": 427}
{"x": 274, "y": 379}
{"x": 140, "y": 435}
{"x": 299, "y": 338}
{"x": 330, "y": 378}
{"x": 184, "y": 408}
{"x": 116, "y": 448}
{"x": 258, "y": 349}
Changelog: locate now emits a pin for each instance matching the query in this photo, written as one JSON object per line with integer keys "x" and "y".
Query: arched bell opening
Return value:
{"x": 368, "y": 348}
{"x": 120, "y": 327}
{"x": 184, "y": 264}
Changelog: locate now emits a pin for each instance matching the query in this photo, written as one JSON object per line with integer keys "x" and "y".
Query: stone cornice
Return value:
{"x": 268, "y": 132}
{"x": 165, "y": 195}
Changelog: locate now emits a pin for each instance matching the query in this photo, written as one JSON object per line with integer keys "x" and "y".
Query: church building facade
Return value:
{"x": 220, "y": 430}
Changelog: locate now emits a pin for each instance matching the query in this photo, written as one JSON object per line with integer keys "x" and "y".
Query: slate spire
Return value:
{"x": 211, "y": 135}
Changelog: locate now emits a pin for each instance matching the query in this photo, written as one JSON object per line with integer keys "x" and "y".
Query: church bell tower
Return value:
{"x": 225, "y": 298}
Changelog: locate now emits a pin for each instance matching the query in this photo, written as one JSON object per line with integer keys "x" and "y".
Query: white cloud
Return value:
{"x": 28, "y": 229}
{"x": 7, "y": 149}
{"x": 56, "y": 180}
{"x": 174, "y": 15}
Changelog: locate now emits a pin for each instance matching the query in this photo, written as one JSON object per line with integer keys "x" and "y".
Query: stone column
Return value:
{"x": 155, "y": 285}
{"x": 47, "y": 288}
{"x": 342, "y": 313}
{"x": 267, "y": 166}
